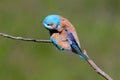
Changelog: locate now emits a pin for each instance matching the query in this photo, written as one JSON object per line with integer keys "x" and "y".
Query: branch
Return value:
{"x": 90, "y": 61}
{"x": 96, "y": 68}
{"x": 24, "y": 39}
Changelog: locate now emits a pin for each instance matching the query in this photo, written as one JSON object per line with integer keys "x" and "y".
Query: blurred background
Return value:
{"x": 97, "y": 23}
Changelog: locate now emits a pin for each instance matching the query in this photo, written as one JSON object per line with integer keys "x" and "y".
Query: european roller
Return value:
{"x": 63, "y": 34}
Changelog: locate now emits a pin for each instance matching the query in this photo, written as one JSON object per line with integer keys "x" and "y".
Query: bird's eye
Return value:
{"x": 50, "y": 24}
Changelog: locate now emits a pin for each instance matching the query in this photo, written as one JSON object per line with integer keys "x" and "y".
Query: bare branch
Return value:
{"x": 96, "y": 68}
{"x": 24, "y": 39}
{"x": 90, "y": 61}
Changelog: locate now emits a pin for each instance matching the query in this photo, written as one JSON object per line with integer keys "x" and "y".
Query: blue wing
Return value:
{"x": 74, "y": 45}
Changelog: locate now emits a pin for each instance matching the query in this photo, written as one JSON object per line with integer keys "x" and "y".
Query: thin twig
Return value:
{"x": 90, "y": 61}
{"x": 24, "y": 39}
{"x": 96, "y": 68}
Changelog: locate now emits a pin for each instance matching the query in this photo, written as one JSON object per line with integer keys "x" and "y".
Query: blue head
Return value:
{"x": 51, "y": 22}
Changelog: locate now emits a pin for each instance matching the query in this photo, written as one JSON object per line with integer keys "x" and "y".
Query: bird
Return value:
{"x": 63, "y": 34}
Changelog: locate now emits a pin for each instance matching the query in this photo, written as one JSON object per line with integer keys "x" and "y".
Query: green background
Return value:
{"x": 97, "y": 23}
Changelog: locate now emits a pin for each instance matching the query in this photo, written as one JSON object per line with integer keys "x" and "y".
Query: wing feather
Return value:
{"x": 66, "y": 24}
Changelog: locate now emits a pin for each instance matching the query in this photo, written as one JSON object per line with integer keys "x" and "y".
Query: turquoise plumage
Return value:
{"x": 63, "y": 34}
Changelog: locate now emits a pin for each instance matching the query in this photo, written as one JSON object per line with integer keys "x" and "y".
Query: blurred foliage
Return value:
{"x": 97, "y": 23}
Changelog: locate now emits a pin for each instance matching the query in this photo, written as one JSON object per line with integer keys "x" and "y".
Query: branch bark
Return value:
{"x": 90, "y": 61}
{"x": 24, "y": 39}
{"x": 96, "y": 68}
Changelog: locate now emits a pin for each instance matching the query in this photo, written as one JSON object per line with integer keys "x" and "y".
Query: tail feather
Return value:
{"x": 83, "y": 56}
